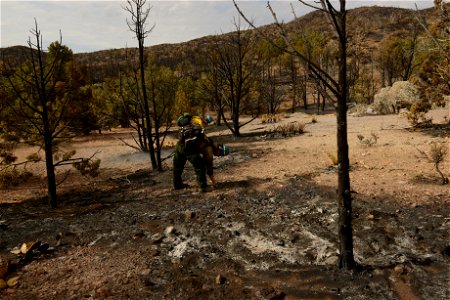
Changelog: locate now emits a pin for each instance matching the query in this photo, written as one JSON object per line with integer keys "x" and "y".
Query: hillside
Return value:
{"x": 376, "y": 22}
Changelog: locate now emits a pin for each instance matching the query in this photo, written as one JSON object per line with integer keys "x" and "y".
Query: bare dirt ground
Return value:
{"x": 268, "y": 231}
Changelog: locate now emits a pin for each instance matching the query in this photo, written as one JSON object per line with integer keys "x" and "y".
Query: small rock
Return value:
{"x": 3, "y": 224}
{"x": 335, "y": 290}
{"x": 189, "y": 214}
{"x": 12, "y": 282}
{"x": 59, "y": 238}
{"x": 272, "y": 294}
{"x": 280, "y": 243}
{"x": 15, "y": 251}
{"x": 378, "y": 272}
{"x": 3, "y": 284}
{"x": 157, "y": 238}
{"x": 145, "y": 272}
{"x": 169, "y": 230}
{"x": 220, "y": 279}
{"x": 332, "y": 260}
{"x": 100, "y": 282}
{"x": 138, "y": 235}
{"x": 103, "y": 292}
{"x": 399, "y": 269}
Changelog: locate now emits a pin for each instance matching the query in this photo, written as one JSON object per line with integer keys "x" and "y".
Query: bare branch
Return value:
{"x": 293, "y": 10}
{"x": 70, "y": 161}
{"x": 313, "y": 6}
{"x": 330, "y": 82}
{"x": 66, "y": 175}
{"x": 139, "y": 16}
{"x": 15, "y": 165}
{"x": 130, "y": 145}
{"x": 421, "y": 20}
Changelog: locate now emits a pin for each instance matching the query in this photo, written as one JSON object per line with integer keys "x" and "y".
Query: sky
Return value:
{"x": 88, "y": 26}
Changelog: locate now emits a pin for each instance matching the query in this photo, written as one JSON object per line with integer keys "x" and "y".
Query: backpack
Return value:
{"x": 184, "y": 120}
{"x": 191, "y": 131}
{"x": 190, "y": 126}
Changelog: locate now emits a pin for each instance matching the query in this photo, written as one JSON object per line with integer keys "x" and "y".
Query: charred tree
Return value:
{"x": 339, "y": 88}
{"x": 38, "y": 109}
{"x": 139, "y": 14}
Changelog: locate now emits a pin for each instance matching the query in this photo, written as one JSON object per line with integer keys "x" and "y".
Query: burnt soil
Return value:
{"x": 267, "y": 231}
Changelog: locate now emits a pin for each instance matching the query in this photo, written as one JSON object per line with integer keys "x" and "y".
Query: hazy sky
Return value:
{"x": 99, "y": 25}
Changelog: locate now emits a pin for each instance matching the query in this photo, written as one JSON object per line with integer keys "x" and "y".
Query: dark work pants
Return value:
{"x": 189, "y": 153}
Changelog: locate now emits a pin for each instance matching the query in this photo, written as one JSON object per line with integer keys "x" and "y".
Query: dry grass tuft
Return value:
{"x": 290, "y": 129}
{"x": 369, "y": 141}
{"x": 270, "y": 118}
{"x": 416, "y": 116}
{"x": 333, "y": 158}
{"x": 436, "y": 154}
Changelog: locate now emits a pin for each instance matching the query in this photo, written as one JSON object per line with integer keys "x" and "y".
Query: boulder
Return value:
{"x": 390, "y": 100}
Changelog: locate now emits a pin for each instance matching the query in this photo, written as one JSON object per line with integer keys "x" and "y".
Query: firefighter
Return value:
{"x": 193, "y": 146}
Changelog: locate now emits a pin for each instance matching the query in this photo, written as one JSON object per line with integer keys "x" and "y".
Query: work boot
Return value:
{"x": 181, "y": 186}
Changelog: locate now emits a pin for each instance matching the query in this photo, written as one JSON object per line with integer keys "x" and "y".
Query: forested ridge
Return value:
{"x": 377, "y": 22}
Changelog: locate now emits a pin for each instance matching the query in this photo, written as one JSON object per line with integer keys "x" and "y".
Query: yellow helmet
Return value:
{"x": 197, "y": 120}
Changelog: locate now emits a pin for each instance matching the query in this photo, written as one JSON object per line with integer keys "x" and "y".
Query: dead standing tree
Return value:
{"x": 139, "y": 13}
{"x": 39, "y": 99}
{"x": 339, "y": 89}
{"x": 211, "y": 84}
{"x": 39, "y": 80}
{"x": 236, "y": 71}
